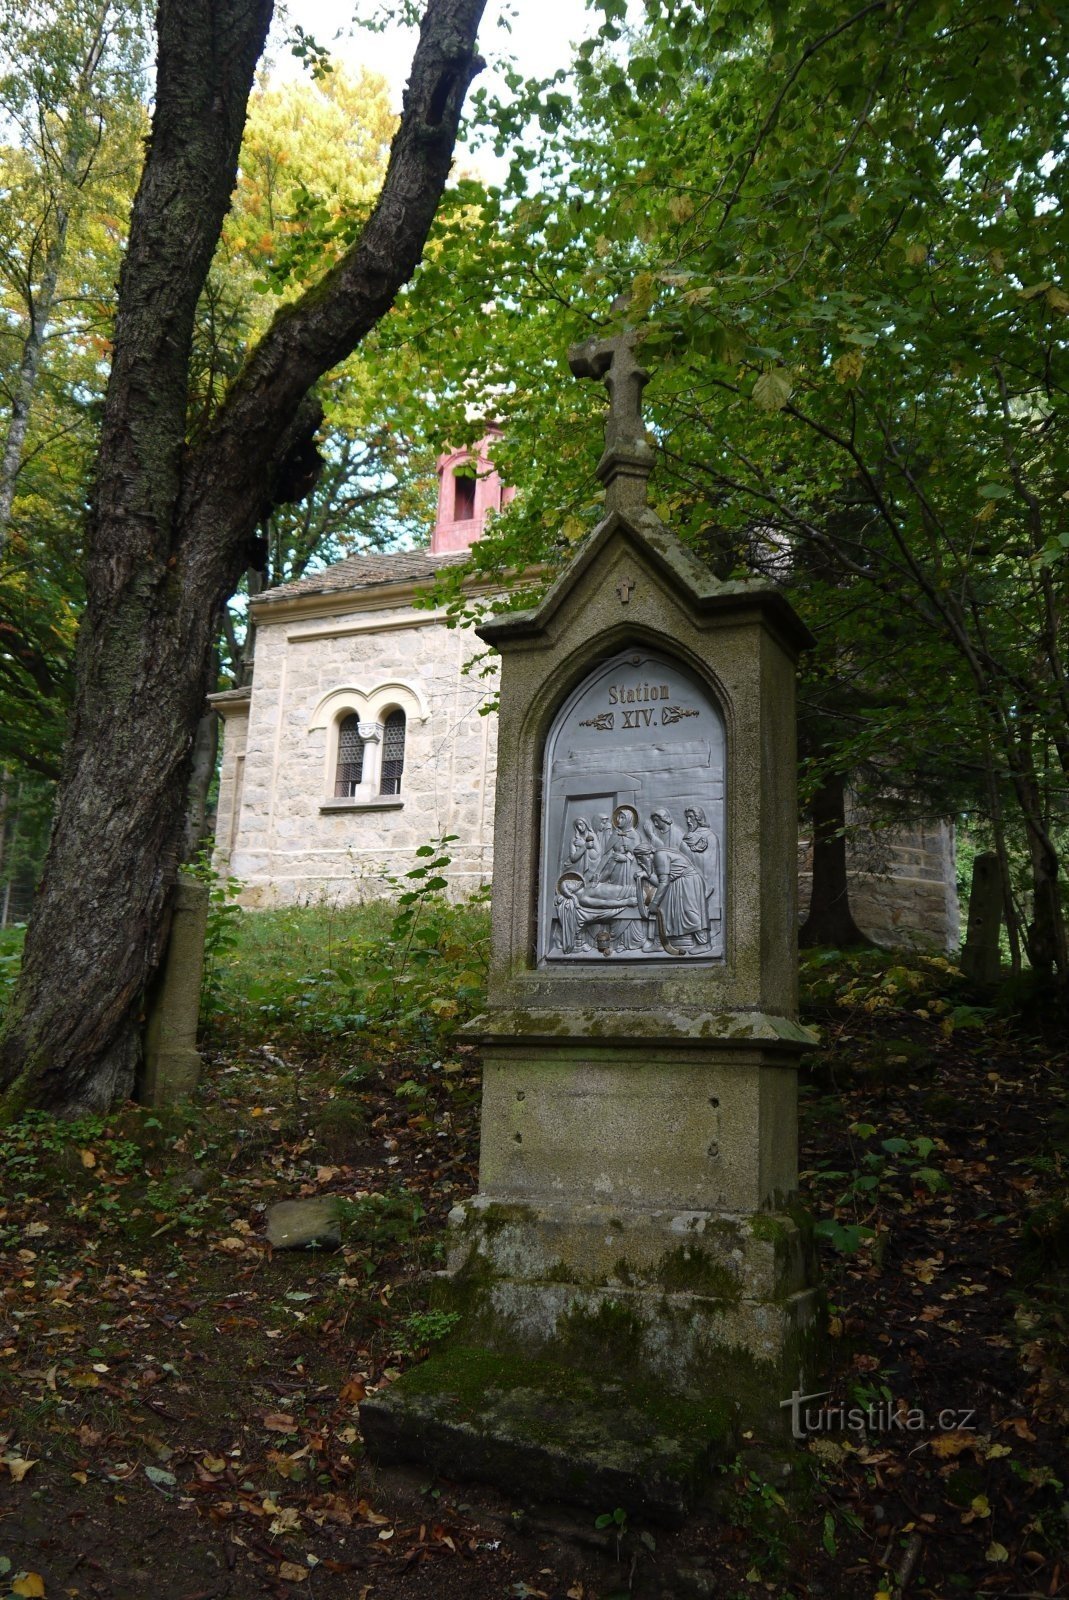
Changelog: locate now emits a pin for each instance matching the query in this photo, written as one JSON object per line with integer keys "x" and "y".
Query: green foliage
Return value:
{"x": 126, "y": 1177}
{"x": 398, "y": 975}
{"x": 612, "y": 1519}
{"x": 71, "y": 95}
{"x": 222, "y": 930}
{"x": 840, "y": 242}
{"x": 421, "y": 1329}
{"x": 10, "y": 961}
{"x": 382, "y": 1221}
{"x": 865, "y": 980}
{"x": 892, "y": 1167}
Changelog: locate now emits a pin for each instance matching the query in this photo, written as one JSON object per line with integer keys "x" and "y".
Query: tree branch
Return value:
{"x": 308, "y": 338}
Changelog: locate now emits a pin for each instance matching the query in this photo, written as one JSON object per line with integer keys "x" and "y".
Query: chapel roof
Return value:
{"x": 365, "y": 572}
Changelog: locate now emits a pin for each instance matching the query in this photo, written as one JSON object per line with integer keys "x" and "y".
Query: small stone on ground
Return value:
{"x": 299, "y": 1224}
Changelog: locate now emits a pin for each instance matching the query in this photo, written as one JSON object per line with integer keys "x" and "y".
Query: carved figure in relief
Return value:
{"x": 619, "y": 865}
{"x": 678, "y": 901}
{"x": 567, "y": 910}
{"x": 703, "y": 847}
{"x": 662, "y": 830}
{"x": 583, "y": 849}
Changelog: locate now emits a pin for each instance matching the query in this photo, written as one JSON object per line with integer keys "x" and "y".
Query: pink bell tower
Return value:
{"x": 463, "y": 501}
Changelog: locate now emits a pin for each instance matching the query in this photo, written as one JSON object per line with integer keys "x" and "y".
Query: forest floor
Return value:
{"x": 179, "y": 1404}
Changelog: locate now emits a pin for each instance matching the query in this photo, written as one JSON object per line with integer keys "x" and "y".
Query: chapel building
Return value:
{"x": 362, "y": 736}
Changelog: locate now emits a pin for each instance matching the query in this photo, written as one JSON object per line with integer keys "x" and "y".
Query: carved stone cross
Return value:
{"x": 628, "y": 459}
{"x": 624, "y": 588}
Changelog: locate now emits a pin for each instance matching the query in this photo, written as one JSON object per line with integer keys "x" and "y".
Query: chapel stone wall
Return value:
{"x": 903, "y": 889}
{"x": 292, "y": 844}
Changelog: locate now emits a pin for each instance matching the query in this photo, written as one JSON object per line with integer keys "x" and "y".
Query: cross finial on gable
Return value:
{"x": 628, "y": 458}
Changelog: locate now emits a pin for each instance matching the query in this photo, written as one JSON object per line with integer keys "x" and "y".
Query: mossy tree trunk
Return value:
{"x": 169, "y": 531}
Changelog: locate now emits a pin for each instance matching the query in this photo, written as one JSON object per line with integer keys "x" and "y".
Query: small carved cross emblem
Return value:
{"x": 624, "y": 588}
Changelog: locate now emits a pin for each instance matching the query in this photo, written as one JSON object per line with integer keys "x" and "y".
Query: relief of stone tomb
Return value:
{"x": 633, "y": 818}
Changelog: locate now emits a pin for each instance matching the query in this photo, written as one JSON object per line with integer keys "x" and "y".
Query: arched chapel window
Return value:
{"x": 464, "y": 504}
{"x": 350, "y": 758}
{"x": 393, "y": 752}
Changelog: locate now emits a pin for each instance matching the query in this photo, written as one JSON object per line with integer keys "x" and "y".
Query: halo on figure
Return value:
{"x": 568, "y": 878}
{"x": 624, "y": 811}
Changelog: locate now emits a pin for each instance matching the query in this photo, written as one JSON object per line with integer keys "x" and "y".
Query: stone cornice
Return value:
{"x": 365, "y": 597}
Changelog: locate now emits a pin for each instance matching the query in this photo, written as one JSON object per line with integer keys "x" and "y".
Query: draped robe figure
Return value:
{"x": 703, "y": 847}
{"x": 679, "y": 900}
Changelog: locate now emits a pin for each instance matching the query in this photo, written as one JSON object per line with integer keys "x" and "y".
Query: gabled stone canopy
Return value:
{"x": 690, "y": 578}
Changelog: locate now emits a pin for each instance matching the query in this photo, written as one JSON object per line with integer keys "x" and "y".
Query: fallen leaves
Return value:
{"x": 366, "y": 1514}
{"x": 30, "y": 1583}
{"x": 18, "y": 1466}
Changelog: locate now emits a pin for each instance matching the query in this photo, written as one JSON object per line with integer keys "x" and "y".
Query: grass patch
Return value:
{"x": 381, "y": 976}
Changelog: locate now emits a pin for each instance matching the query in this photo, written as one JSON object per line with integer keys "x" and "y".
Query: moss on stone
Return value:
{"x": 464, "y": 1377}
{"x": 772, "y": 1230}
{"x": 693, "y": 1270}
{"x": 609, "y": 1335}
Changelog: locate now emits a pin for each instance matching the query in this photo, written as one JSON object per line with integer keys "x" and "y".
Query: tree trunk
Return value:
{"x": 1045, "y": 937}
{"x": 25, "y": 386}
{"x": 168, "y": 535}
{"x": 74, "y": 167}
{"x": 196, "y": 833}
{"x": 980, "y": 953}
{"x": 830, "y": 921}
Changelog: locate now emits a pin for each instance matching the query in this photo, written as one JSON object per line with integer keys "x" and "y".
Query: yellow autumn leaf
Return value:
{"x": 88, "y": 1158}
{"x": 292, "y": 1572}
{"x": 31, "y": 1583}
{"x": 980, "y": 1506}
{"x": 945, "y": 1445}
{"x": 849, "y": 366}
{"x": 18, "y": 1467}
{"x": 997, "y": 1552}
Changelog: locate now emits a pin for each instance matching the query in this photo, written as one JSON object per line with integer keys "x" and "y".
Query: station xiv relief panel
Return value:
{"x": 633, "y": 818}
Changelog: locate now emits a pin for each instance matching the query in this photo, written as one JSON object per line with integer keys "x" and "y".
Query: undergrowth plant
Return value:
{"x": 10, "y": 961}
{"x": 885, "y": 1171}
{"x": 222, "y": 931}
{"x": 401, "y": 975}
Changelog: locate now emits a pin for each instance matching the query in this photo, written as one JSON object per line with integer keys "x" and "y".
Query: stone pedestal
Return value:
{"x": 172, "y": 1062}
{"x": 635, "y": 1207}
{"x": 636, "y": 1221}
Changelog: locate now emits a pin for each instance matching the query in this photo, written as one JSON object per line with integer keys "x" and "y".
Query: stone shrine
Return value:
{"x": 633, "y": 1279}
